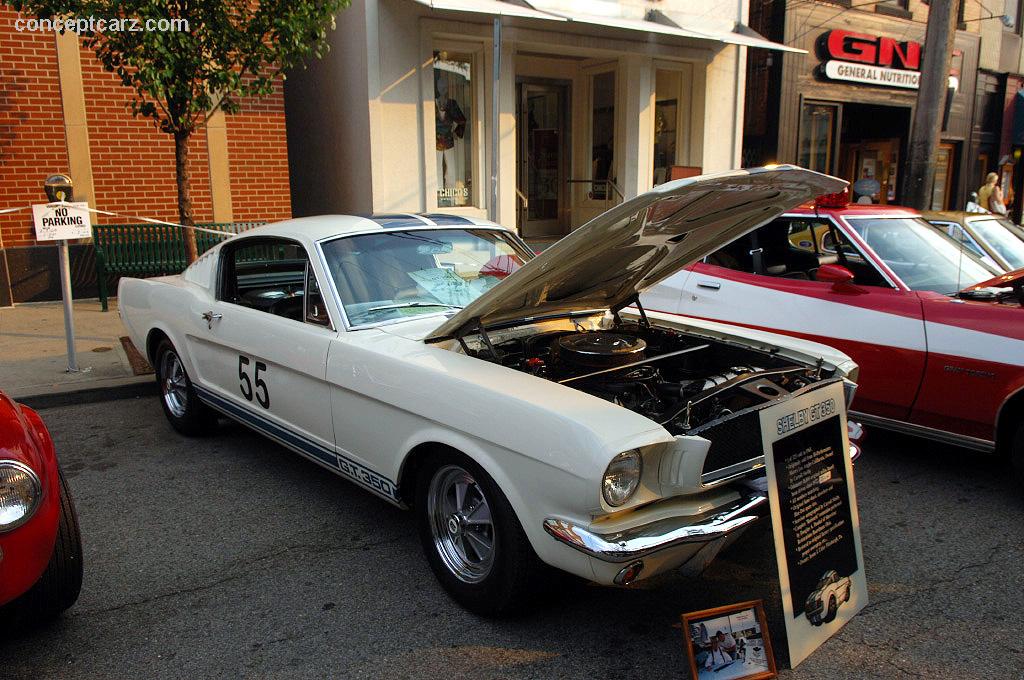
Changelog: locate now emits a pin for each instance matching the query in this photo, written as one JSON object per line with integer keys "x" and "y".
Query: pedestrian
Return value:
{"x": 990, "y": 195}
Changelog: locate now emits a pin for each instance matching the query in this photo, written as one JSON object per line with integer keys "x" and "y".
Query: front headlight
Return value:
{"x": 20, "y": 492}
{"x": 622, "y": 478}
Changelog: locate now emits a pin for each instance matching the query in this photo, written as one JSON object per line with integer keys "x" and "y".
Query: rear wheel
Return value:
{"x": 178, "y": 397}
{"x": 59, "y": 586}
{"x": 472, "y": 538}
{"x": 1017, "y": 453}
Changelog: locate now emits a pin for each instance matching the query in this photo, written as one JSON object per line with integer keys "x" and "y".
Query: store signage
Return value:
{"x": 874, "y": 60}
{"x": 814, "y": 517}
{"x": 61, "y": 221}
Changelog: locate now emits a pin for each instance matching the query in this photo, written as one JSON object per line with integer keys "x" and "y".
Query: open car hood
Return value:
{"x": 606, "y": 263}
{"x": 1002, "y": 281}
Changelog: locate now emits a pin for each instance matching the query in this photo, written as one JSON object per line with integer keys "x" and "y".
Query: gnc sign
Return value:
{"x": 863, "y": 58}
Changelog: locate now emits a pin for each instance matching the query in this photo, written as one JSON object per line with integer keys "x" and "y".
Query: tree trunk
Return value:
{"x": 926, "y": 131}
{"x": 184, "y": 180}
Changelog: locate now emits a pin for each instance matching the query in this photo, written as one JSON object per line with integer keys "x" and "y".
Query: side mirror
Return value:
{"x": 834, "y": 274}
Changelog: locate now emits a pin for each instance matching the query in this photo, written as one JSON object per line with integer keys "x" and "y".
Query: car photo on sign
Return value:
{"x": 823, "y": 604}
{"x": 531, "y": 416}
{"x": 730, "y": 643}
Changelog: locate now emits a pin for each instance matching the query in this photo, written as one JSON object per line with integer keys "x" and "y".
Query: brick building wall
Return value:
{"x": 258, "y": 159}
{"x": 32, "y": 142}
{"x": 131, "y": 161}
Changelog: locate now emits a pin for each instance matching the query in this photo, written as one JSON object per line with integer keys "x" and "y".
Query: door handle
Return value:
{"x": 710, "y": 285}
{"x": 210, "y": 317}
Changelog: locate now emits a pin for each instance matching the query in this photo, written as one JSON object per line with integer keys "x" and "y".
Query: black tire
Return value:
{"x": 1017, "y": 454}
{"x": 833, "y": 609}
{"x": 59, "y": 586}
{"x": 516, "y": 576}
{"x": 184, "y": 411}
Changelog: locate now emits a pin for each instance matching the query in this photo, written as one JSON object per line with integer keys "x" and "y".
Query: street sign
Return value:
{"x": 62, "y": 221}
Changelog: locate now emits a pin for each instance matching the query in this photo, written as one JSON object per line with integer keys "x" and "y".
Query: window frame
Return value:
{"x": 229, "y": 249}
{"x": 684, "y": 110}
{"x": 478, "y": 199}
{"x": 837, "y": 126}
{"x": 590, "y": 73}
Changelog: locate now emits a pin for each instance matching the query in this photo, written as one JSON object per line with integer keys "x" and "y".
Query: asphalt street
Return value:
{"x": 229, "y": 556}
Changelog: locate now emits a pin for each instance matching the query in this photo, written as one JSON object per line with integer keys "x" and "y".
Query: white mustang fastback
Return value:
{"x": 526, "y": 408}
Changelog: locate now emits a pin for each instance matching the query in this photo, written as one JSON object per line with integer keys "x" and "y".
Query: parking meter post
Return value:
{"x": 69, "y": 319}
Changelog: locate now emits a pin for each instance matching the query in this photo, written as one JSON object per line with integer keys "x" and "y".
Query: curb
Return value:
{"x": 91, "y": 395}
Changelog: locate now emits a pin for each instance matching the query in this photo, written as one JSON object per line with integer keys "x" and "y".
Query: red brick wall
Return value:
{"x": 32, "y": 143}
{"x": 258, "y": 157}
{"x": 132, "y": 161}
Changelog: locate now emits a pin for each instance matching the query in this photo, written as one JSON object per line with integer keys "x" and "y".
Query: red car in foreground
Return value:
{"x": 939, "y": 337}
{"x": 40, "y": 545}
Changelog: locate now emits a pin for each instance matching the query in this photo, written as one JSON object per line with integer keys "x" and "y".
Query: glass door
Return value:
{"x": 542, "y": 160}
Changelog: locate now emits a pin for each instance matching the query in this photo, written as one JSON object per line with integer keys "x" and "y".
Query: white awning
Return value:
{"x": 492, "y": 7}
{"x": 657, "y": 22}
{"x": 740, "y": 34}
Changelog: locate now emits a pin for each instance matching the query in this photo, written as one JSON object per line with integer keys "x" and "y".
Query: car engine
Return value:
{"x": 680, "y": 381}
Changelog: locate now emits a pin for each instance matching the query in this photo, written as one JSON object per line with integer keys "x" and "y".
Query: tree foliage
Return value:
{"x": 224, "y": 51}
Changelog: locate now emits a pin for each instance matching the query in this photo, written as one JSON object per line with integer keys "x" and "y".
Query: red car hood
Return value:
{"x": 1002, "y": 281}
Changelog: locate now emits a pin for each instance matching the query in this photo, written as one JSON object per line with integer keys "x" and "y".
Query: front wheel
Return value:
{"x": 833, "y": 609}
{"x": 472, "y": 538}
{"x": 59, "y": 586}
{"x": 178, "y": 397}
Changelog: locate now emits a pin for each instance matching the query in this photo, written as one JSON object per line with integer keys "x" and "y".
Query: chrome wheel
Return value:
{"x": 461, "y": 525}
{"x": 174, "y": 384}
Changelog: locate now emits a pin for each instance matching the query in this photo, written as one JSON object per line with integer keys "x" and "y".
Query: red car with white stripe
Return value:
{"x": 938, "y": 336}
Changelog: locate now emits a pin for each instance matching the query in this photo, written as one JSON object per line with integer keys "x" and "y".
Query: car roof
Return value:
{"x": 321, "y": 227}
{"x": 956, "y": 215}
{"x": 857, "y": 210}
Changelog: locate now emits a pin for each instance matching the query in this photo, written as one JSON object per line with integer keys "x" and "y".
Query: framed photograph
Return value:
{"x": 729, "y": 643}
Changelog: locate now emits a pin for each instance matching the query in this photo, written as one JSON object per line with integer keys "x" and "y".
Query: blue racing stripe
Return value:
{"x": 356, "y": 472}
{"x": 397, "y": 220}
{"x": 445, "y": 219}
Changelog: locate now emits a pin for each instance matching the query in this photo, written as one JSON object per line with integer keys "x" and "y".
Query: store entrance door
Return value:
{"x": 542, "y": 159}
{"x": 871, "y": 168}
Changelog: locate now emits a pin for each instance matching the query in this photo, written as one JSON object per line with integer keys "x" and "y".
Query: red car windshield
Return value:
{"x": 923, "y": 258}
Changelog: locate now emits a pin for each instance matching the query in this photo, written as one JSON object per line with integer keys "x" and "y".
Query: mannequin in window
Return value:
{"x": 449, "y": 123}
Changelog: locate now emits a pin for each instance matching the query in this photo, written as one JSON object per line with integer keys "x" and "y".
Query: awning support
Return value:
{"x": 492, "y": 207}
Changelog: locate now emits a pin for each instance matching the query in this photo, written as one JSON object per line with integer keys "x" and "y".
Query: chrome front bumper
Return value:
{"x": 644, "y": 540}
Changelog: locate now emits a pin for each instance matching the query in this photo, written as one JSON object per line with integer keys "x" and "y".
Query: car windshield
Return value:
{"x": 399, "y": 274}
{"x": 1008, "y": 246}
{"x": 922, "y": 257}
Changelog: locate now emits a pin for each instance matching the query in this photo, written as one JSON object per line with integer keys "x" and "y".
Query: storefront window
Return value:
{"x": 818, "y": 136}
{"x": 602, "y": 134}
{"x": 453, "y": 112}
{"x": 668, "y": 85}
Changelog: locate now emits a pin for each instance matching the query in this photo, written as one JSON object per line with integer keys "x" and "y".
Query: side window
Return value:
{"x": 794, "y": 248}
{"x": 268, "y": 275}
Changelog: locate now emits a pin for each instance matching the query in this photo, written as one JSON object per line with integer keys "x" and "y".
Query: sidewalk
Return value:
{"x": 33, "y": 354}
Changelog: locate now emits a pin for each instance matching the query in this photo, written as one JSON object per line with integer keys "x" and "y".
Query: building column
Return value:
{"x": 507, "y": 150}
{"x": 635, "y": 155}
{"x": 76, "y": 128}
{"x": 220, "y": 169}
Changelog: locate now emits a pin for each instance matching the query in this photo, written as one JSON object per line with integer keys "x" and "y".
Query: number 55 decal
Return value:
{"x": 246, "y": 386}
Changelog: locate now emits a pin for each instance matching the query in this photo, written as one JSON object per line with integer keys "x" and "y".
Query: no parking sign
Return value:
{"x": 62, "y": 221}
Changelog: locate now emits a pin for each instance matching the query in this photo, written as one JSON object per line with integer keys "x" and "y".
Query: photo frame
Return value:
{"x": 729, "y": 643}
